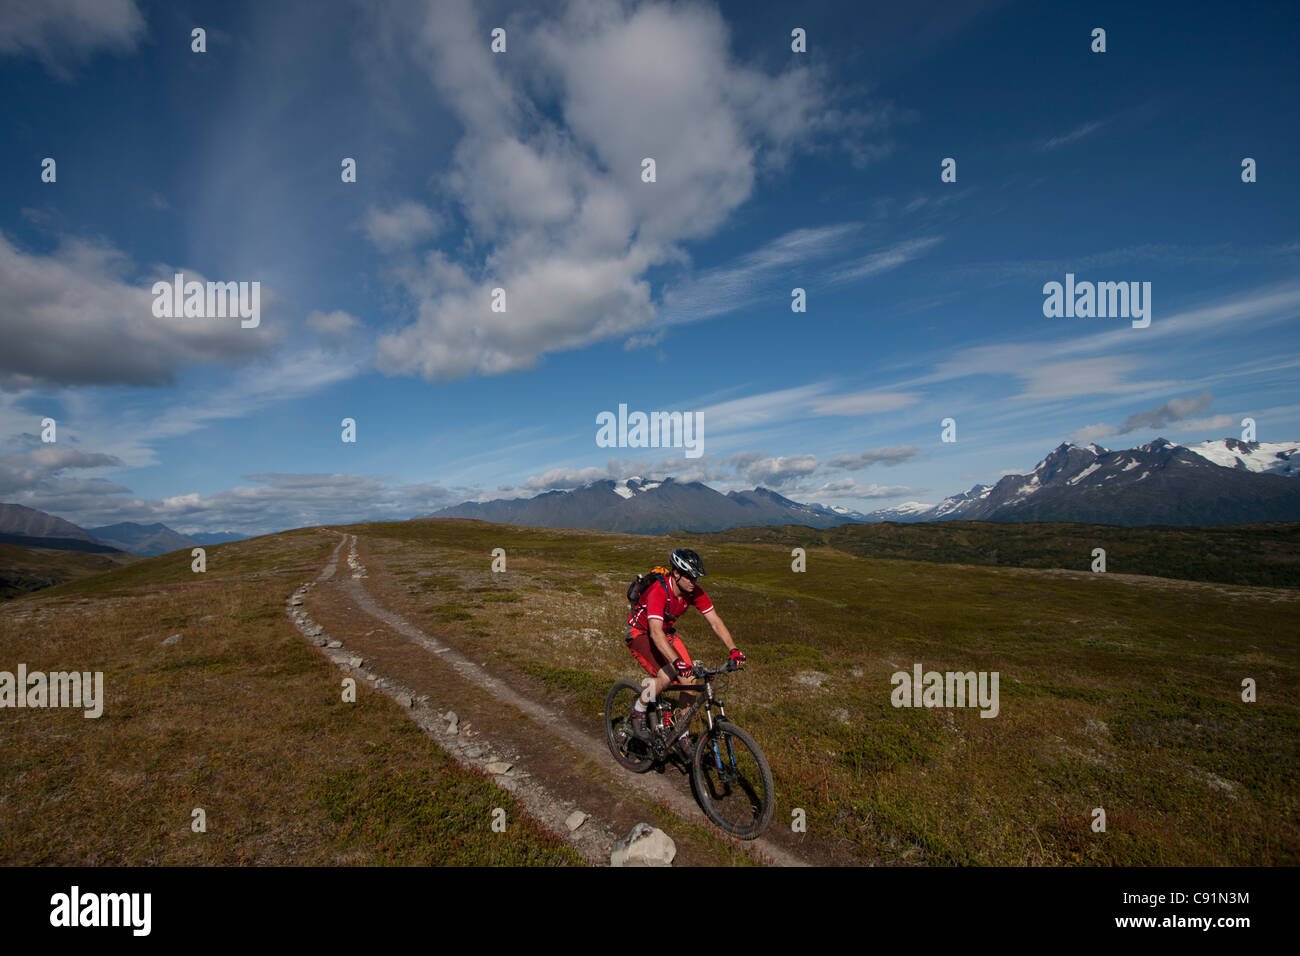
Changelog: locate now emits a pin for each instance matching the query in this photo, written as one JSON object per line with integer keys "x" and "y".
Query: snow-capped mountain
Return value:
{"x": 652, "y": 507}
{"x": 906, "y": 512}
{"x": 629, "y": 487}
{"x": 1275, "y": 458}
{"x": 955, "y": 503}
{"x": 1214, "y": 482}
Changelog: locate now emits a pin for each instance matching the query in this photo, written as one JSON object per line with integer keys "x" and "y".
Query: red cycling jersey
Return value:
{"x": 658, "y": 604}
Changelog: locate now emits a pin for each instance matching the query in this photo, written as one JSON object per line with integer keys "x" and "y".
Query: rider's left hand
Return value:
{"x": 736, "y": 657}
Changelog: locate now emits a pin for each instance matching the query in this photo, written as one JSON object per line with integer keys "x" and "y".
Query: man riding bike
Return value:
{"x": 653, "y": 640}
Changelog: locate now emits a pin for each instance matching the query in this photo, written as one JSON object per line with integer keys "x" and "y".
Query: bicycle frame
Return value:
{"x": 704, "y": 698}
{"x": 707, "y": 699}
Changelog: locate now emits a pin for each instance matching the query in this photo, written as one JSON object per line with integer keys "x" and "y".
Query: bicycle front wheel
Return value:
{"x": 733, "y": 781}
{"x": 630, "y": 752}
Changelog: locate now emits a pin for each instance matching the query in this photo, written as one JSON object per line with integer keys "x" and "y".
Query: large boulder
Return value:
{"x": 644, "y": 846}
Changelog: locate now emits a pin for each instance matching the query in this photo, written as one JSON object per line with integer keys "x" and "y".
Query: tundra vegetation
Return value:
{"x": 1117, "y": 691}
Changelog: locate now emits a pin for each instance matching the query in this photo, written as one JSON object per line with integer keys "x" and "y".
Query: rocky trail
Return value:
{"x": 562, "y": 774}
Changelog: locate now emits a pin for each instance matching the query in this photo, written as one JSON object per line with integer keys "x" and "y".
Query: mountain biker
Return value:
{"x": 653, "y": 640}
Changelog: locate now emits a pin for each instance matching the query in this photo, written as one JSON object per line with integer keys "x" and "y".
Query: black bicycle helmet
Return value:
{"x": 688, "y": 562}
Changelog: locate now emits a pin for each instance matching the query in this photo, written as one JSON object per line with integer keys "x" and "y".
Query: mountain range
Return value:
{"x": 144, "y": 539}
{"x": 1215, "y": 482}
{"x": 1220, "y": 482}
{"x": 31, "y": 528}
{"x": 642, "y": 506}
{"x": 151, "y": 539}
{"x": 1211, "y": 483}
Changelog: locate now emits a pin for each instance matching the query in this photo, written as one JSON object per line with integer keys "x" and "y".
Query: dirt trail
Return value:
{"x": 554, "y": 766}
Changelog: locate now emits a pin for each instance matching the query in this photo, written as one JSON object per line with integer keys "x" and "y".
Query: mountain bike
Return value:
{"x": 731, "y": 778}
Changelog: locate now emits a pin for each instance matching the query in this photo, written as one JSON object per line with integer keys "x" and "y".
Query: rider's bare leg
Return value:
{"x": 687, "y": 698}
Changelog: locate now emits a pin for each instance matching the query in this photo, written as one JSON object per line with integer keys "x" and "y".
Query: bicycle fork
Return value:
{"x": 727, "y": 773}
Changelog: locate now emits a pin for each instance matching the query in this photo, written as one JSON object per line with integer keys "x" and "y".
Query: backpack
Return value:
{"x": 643, "y": 581}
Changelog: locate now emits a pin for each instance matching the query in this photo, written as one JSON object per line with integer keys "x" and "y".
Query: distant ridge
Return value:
{"x": 643, "y": 506}
{"x": 1222, "y": 482}
{"x": 59, "y": 544}
{"x": 143, "y": 539}
{"x": 217, "y": 537}
{"x": 30, "y": 528}
{"x": 28, "y": 522}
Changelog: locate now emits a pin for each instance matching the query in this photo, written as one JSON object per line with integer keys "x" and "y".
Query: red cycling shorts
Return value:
{"x": 644, "y": 650}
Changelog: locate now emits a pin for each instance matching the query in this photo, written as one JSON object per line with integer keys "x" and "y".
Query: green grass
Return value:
{"x": 1116, "y": 692}
{"x": 23, "y": 570}
{"x": 587, "y": 692}
{"x": 1260, "y": 555}
{"x": 242, "y": 718}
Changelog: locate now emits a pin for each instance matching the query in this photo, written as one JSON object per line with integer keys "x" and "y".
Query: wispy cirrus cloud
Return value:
{"x": 885, "y": 259}
{"x": 1054, "y": 381}
{"x": 760, "y": 409}
{"x": 849, "y": 488}
{"x": 1082, "y": 131}
{"x": 1212, "y": 424}
{"x": 753, "y": 276}
{"x": 863, "y": 403}
{"x": 1057, "y": 368}
{"x": 783, "y": 406}
{"x": 875, "y": 456}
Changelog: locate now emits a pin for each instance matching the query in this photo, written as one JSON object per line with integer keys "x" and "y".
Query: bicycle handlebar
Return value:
{"x": 699, "y": 670}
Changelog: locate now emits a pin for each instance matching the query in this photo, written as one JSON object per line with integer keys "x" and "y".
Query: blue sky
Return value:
{"x": 522, "y": 170}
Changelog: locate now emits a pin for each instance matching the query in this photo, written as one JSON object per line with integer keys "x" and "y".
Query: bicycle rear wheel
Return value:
{"x": 630, "y": 752}
{"x": 733, "y": 781}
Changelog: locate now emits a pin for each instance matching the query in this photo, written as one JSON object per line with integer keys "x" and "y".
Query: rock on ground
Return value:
{"x": 644, "y": 846}
{"x": 812, "y": 679}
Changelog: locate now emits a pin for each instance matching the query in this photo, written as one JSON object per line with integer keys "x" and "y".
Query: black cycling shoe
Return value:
{"x": 640, "y": 729}
{"x": 685, "y": 747}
